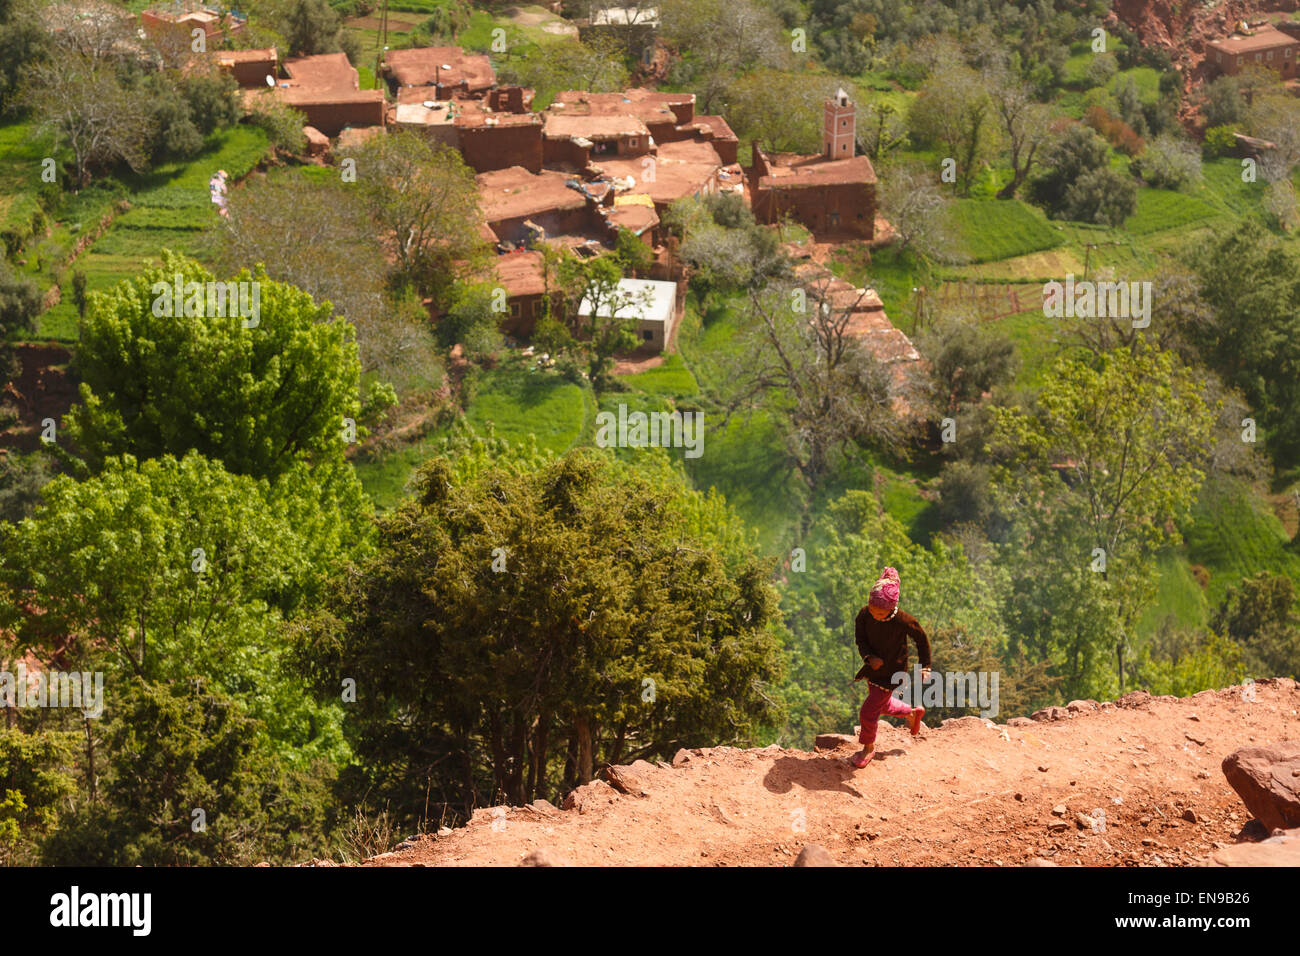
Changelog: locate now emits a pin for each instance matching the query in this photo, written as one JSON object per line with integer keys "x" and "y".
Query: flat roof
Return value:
{"x": 1266, "y": 37}
{"x": 593, "y": 127}
{"x": 247, "y": 56}
{"x": 515, "y": 192}
{"x": 521, "y": 273}
{"x": 720, "y": 128}
{"x": 650, "y": 106}
{"x": 654, "y": 301}
{"x": 830, "y": 172}
{"x": 448, "y": 65}
{"x": 680, "y": 169}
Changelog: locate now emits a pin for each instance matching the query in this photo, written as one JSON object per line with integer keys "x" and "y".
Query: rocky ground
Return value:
{"x": 1136, "y": 782}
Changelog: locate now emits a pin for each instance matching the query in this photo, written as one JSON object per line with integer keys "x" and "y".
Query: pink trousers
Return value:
{"x": 880, "y": 701}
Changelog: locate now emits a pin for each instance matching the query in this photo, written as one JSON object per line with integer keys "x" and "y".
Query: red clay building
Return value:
{"x": 1266, "y": 46}
{"x": 179, "y": 22}
{"x": 250, "y": 68}
{"x": 326, "y": 89}
{"x": 832, "y": 194}
{"x": 448, "y": 69}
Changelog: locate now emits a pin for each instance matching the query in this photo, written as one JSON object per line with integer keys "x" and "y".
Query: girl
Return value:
{"x": 881, "y": 632}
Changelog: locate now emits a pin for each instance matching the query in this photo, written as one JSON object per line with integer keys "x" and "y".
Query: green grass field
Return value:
{"x": 989, "y": 230}
{"x": 1235, "y": 533}
{"x": 170, "y": 209}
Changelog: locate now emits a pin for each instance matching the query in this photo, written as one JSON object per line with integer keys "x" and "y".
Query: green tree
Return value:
{"x": 20, "y": 301}
{"x": 177, "y": 748}
{"x": 610, "y": 323}
{"x": 955, "y": 111}
{"x": 800, "y": 359}
{"x": 425, "y": 202}
{"x": 1114, "y": 449}
{"x": 1260, "y": 614}
{"x": 166, "y": 569}
{"x": 519, "y": 627}
{"x": 258, "y": 399}
{"x": 1251, "y": 337}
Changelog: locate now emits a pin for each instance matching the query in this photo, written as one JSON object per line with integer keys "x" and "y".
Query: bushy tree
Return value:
{"x": 1251, "y": 335}
{"x": 166, "y": 569}
{"x": 425, "y": 202}
{"x": 1170, "y": 162}
{"x": 190, "y": 781}
{"x": 506, "y": 632}
{"x": 1078, "y": 183}
{"x": 1261, "y": 615}
{"x": 1105, "y": 464}
{"x": 258, "y": 399}
{"x": 20, "y": 301}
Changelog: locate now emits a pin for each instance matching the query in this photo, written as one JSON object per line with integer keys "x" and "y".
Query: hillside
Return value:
{"x": 970, "y": 792}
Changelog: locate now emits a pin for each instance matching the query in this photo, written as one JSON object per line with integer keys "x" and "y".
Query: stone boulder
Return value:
{"x": 1268, "y": 781}
{"x": 814, "y": 855}
{"x": 624, "y": 780}
{"x": 1280, "y": 850}
{"x": 587, "y": 796}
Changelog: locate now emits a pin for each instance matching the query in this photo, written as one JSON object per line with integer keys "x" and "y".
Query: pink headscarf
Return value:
{"x": 884, "y": 593}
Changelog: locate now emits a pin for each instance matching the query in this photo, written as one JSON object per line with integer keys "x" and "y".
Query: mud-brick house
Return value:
{"x": 522, "y": 275}
{"x": 326, "y": 89}
{"x": 250, "y": 68}
{"x": 448, "y": 70}
{"x": 520, "y": 206}
{"x": 1265, "y": 46}
{"x": 832, "y": 193}
{"x": 177, "y": 21}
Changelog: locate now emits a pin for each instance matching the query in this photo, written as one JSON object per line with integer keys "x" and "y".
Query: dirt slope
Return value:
{"x": 969, "y": 792}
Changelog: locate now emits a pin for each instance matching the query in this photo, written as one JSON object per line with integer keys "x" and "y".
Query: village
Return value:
{"x": 434, "y": 427}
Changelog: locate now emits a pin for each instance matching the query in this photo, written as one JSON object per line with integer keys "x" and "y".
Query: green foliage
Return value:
{"x": 1251, "y": 282}
{"x": 850, "y": 543}
{"x": 21, "y": 479}
{"x": 485, "y": 667}
{"x": 181, "y": 747}
{"x": 35, "y": 777}
{"x": 257, "y": 399}
{"x": 20, "y": 301}
{"x": 1262, "y": 616}
{"x": 282, "y": 123}
{"x": 168, "y": 569}
{"x": 1131, "y": 433}
{"x": 1077, "y": 181}
{"x": 472, "y": 322}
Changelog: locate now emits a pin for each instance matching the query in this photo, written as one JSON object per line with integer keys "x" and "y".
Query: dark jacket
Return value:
{"x": 888, "y": 641}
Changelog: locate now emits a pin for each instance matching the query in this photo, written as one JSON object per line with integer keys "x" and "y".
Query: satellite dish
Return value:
{"x": 430, "y": 104}
{"x": 270, "y": 80}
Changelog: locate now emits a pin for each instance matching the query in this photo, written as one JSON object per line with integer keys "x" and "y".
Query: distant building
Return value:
{"x": 652, "y": 303}
{"x": 327, "y": 90}
{"x": 448, "y": 70}
{"x": 180, "y": 19}
{"x": 250, "y": 68}
{"x": 1266, "y": 46}
{"x": 832, "y": 193}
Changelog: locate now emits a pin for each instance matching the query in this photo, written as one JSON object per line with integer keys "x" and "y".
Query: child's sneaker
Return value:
{"x": 915, "y": 719}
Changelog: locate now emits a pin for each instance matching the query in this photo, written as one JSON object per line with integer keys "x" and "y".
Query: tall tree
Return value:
{"x": 256, "y": 398}
{"x": 91, "y": 112}
{"x": 520, "y": 626}
{"x": 425, "y": 201}
{"x": 1118, "y": 444}
{"x": 802, "y": 360}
